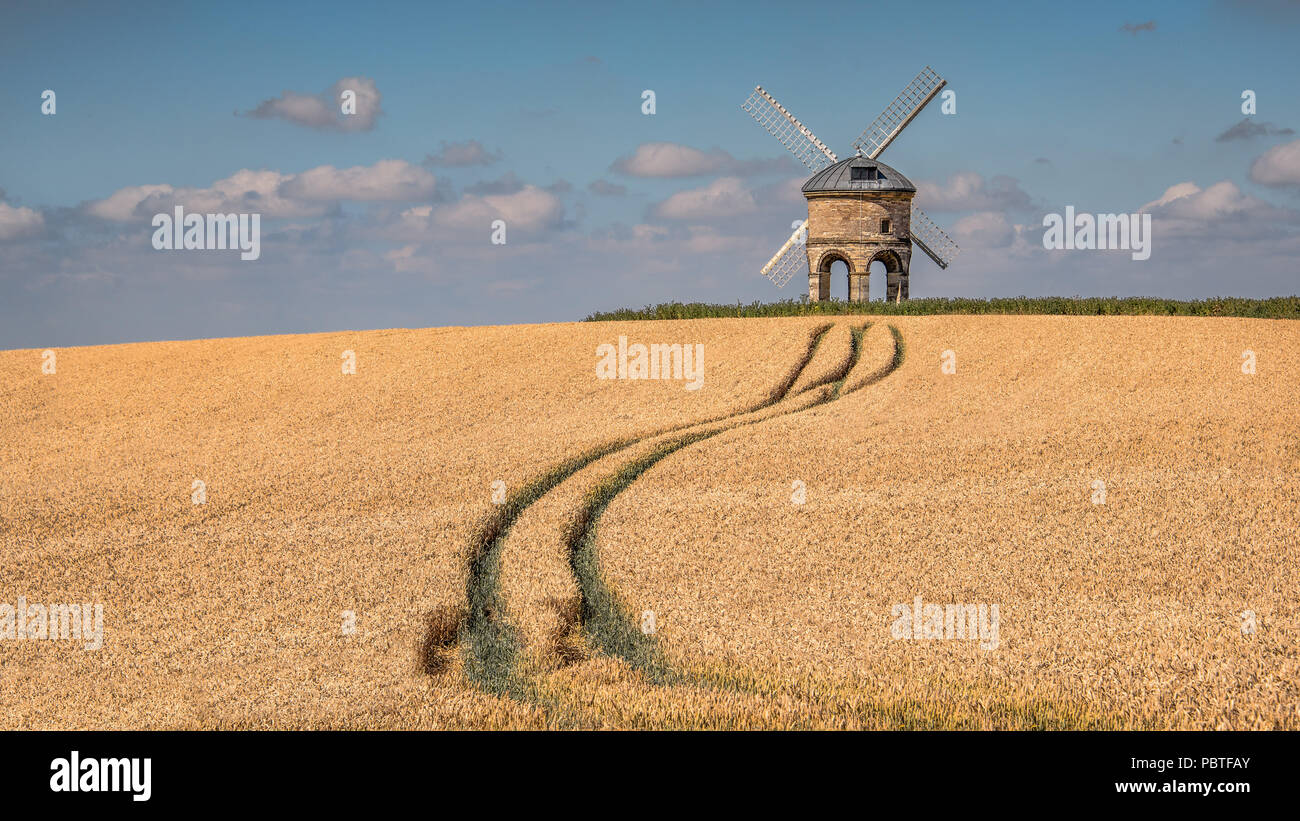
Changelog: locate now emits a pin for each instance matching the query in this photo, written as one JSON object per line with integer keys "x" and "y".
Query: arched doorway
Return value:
{"x": 840, "y": 275}
{"x": 892, "y": 282}
{"x": 878, "y": 276}
{"x": 834, "y": 272}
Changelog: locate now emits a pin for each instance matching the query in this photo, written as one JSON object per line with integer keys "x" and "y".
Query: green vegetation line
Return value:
{"x": 1287, "y": 307}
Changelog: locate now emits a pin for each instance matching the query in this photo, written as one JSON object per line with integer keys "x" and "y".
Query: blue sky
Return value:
{"x": 1104, "y": 106}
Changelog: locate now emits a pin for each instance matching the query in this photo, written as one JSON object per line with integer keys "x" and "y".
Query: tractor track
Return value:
{"x": 606, "y": 623}
{"x": 490, "y": 644}
{"x": 478, "y": 625}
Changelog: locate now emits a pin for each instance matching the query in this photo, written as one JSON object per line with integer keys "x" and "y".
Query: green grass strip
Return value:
{"x": 1284, "y": 307}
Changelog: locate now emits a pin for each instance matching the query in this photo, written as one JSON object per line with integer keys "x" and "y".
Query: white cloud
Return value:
{"x": 989, "y": 229}
{"x": 724, "y": 197}
{"x": 324, "y": 111}
{"x": 705, "y": 239}
{"x": 16, "y": 222}
{"x": 1223, "y": 200}
{"x": 385, "y": 181}
{"x": 969, "y": 191}
{"x": 1173, "y": 192}
{"x": 670, "y": 160}
{"x": 273, "y": 194}
{"x": 1207, "y": 222}
{"x": 245, "y": 191}
{"x": 662, "y": 159}
{"x": 121, "y": 204}
{"x": 1280, "y": 165}
{"x": 530, "y": 208}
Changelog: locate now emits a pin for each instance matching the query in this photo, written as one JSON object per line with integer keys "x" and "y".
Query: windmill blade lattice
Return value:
{"x": 931, "y": 239}
{"x": 791, "y": 259}
{"x": 899, "y": 113}
{"x": 793, "y": 134}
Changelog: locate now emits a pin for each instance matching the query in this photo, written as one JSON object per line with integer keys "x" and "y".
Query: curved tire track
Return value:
{"x": 607, "y": 624}
{"x": 489, "y": 642}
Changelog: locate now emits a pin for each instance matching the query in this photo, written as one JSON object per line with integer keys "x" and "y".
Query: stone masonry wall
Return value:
{"x": 848, "y": 225}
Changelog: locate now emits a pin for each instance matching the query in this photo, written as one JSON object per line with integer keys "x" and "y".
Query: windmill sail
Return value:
{"x": 899, "y": 113}
{"x": 931, "y": 239}
{"x": 791, "y": 259}
{"x": 793, "y": 134}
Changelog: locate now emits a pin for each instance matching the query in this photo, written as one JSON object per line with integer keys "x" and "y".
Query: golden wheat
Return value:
{"x": 329, "y": 493}
{"x": 325, "y": 493}
{"x": 978, "y": 487}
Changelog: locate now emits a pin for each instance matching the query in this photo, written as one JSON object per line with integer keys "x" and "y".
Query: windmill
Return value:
{"x": 859, "y": 210}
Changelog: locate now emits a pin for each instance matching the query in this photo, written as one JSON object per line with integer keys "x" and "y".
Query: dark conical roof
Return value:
{"x": 839, "y": 177}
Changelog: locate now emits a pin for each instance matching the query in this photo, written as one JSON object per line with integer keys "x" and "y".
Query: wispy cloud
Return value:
{"x": 461, "y": 155}
{"x": 1248, "y": 128}
{"x": 1135, "y": 28}
{"x": 970, "y": 191}
{"x": 507, "y": 183}
{"x": 672, "y": 160}
{"x": 605, "y": 188}
{"x": 324, "y": 111}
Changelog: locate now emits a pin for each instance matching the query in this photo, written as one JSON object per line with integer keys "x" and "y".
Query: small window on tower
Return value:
{"x": 858, "y": 174}
{"x": 861, "y": 174}
{"x": 884, "y": 226}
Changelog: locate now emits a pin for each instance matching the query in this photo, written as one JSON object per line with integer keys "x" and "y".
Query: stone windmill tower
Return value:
{"x": 860, "y": 210}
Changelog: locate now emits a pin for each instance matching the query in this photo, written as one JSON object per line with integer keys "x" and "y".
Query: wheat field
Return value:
{"x": 473, "y": 530}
